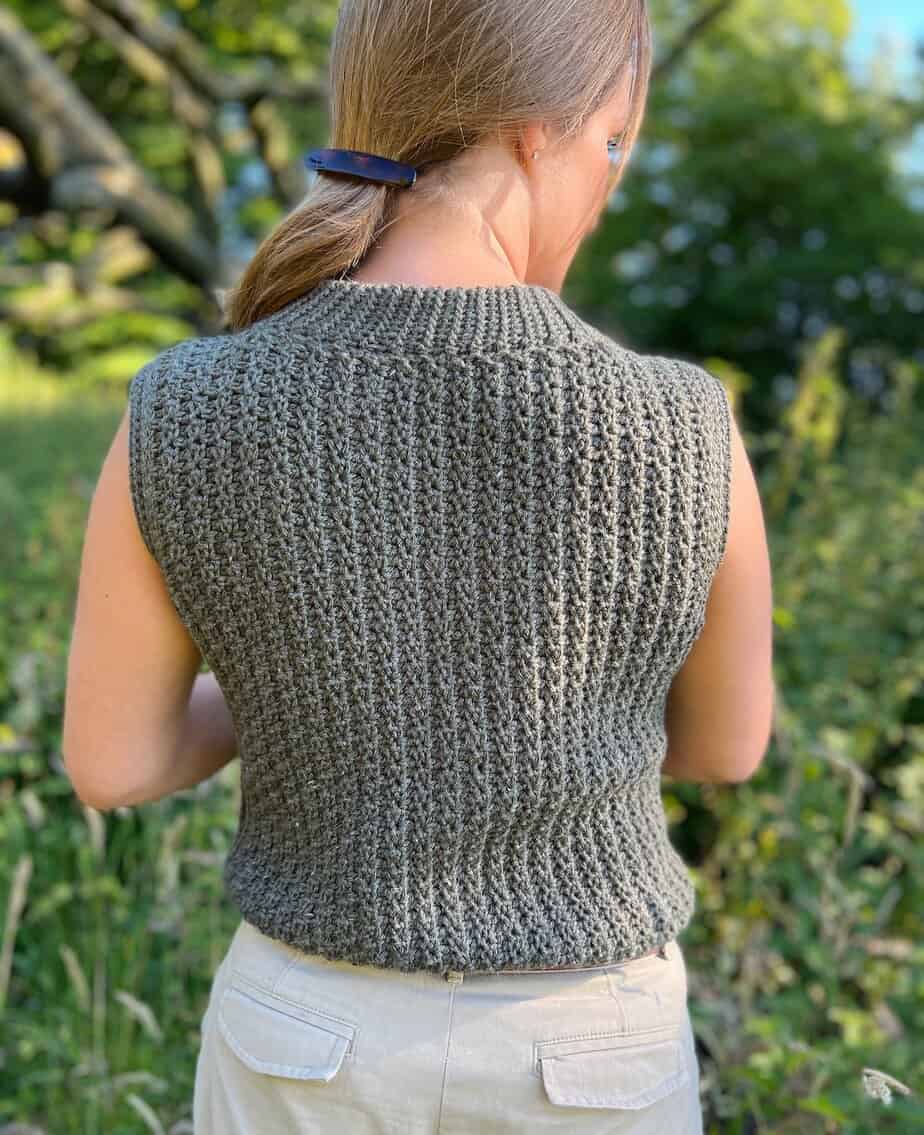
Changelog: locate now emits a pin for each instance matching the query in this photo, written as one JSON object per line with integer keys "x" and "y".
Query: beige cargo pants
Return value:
{"x": 296, "y": 1044}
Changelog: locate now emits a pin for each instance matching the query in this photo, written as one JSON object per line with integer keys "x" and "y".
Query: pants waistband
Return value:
{"x": 456, "y": 976}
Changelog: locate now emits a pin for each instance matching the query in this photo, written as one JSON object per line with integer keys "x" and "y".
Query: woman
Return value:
{"x": 449, "y": 553}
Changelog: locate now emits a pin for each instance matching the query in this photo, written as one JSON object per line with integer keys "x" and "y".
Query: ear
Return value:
{"x": 533, "y": 137}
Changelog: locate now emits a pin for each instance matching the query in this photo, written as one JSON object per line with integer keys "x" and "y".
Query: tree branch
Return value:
{"x": 183, "y": 51}
{"x": 686, "y": 39}
{"x": 83, "y": 163}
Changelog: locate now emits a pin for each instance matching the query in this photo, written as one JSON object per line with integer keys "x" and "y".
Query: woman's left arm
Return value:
{"x": 140, "y": 722}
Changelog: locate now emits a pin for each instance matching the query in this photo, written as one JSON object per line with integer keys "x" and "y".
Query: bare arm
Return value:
{"x": 139, "y": 721}
{"x": 719, "y": 711}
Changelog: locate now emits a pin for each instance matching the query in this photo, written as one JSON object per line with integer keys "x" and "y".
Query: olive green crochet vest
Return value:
{"x": 444, "y": 549}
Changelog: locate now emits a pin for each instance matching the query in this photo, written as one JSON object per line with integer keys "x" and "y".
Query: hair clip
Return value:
{"x": 356, "y": 163}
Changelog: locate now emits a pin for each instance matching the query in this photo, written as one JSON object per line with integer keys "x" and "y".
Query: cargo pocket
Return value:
{"x": 279, "y": 1038}
{"x": 615, "y": 1070}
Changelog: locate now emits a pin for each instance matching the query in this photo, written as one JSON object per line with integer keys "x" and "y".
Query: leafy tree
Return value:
{"x": 765, "y": 205}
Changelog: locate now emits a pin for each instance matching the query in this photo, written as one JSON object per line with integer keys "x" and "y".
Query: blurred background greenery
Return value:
{"x": 771, "y": 227}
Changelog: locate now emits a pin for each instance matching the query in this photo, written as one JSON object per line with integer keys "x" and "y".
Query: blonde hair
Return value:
{"x": 420, "y": 82}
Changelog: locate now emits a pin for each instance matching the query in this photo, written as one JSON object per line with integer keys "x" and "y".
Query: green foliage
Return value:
{"x": 764, "y": 204}
{"x": 807, "y": 953}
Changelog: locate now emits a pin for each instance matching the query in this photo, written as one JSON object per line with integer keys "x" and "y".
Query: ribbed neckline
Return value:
{"x": 429, "y": 317}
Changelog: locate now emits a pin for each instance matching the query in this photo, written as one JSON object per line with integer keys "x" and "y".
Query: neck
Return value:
{"x": 476, "y": 233}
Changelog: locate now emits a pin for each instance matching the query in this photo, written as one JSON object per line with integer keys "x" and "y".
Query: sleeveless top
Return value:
{"x": 444, "y": 549}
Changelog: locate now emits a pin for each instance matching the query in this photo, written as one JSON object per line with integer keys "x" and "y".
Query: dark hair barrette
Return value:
{"x": 356, "y": 163}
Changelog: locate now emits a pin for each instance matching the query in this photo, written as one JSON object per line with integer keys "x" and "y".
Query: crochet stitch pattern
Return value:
{"x": 444, "y": 549}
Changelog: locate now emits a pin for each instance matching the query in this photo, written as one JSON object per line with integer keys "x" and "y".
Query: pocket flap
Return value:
{"x": 276, "y": 1037}
{"x": 619, "y": 1071}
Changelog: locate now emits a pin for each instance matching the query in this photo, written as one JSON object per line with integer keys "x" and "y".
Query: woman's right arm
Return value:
{"x": 719, "y": 712}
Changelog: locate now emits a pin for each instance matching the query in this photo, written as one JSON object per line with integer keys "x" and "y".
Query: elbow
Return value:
{"x": 735, "y": 767}
{"x": 98, "y": 804}
{"x": 94, "y": 799}
{"x": 732, "y": 759}
{"x": 742, "y": 768}
{"x": 747, "y": 763}
{"x": 99, "y": 801}
{"x": 744, "y": 762}
{"x": 89, "y": 791}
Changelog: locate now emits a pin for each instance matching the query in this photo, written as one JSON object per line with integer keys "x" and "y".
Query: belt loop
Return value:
{"x": 454, "y": 975}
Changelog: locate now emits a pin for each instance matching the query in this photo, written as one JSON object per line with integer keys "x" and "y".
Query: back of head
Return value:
{"x": 421, "y": 82}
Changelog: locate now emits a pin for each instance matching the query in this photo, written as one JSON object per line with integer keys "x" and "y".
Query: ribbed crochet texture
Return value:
{"x": 444, "y": 549}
